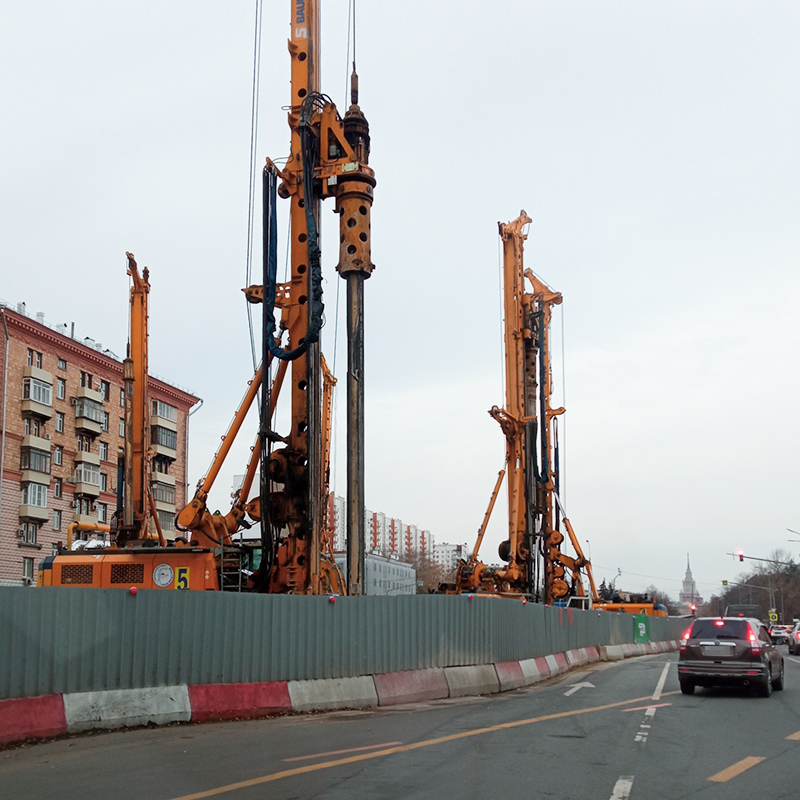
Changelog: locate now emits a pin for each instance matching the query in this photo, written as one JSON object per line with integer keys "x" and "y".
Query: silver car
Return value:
{"x": 729, "y": 651}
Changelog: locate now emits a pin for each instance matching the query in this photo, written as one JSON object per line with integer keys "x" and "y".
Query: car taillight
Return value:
{"x": 797, "y": 634}
{"x": 684, "y": 639}
{"x": 755, "y": 647}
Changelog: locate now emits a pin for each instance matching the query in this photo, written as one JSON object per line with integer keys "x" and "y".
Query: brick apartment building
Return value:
{"x": 61, "y": 430}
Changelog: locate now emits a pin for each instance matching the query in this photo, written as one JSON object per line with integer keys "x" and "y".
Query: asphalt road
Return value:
{"x": 631, "y": 734}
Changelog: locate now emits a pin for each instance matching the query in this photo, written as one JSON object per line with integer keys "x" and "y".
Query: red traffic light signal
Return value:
{"x": 693, "y": 607}
{"x": 741, "y": 555}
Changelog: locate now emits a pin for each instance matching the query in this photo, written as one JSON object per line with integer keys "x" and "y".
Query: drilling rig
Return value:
{"x": 329, "y": 158}
{"x": 536, "y": 566}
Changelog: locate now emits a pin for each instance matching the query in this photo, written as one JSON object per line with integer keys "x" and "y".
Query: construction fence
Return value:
{"x": 61, "y": 640}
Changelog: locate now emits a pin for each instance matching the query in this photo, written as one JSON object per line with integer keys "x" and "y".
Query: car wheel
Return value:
{"x": 687, "y": 688}
{"x": 765, "y": 689}
{"x": 777, "y": 684}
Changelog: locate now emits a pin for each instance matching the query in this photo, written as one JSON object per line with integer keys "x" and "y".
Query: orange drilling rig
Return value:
{"x": 536, "y": 565}
{"x": 329, "y": 157}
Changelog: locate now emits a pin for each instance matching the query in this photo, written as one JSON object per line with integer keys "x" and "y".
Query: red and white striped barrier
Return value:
{"x": 59, "y": 714}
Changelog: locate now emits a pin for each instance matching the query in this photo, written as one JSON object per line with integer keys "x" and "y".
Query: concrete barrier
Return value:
{"x": 126, "y": 707}
{"x": 329, "y": 693}
{"x": 480, "y": 679}
{"x": 411, "y": 686}
{"x": 510, "y": 675}
{"x": 530, "y": 671}
{"x": 238, "y": 700}
{"x": 54, "y": 715}
{"x": 32, "y": 718}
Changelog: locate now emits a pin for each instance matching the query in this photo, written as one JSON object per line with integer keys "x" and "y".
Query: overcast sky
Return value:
{"x": 655, "y": 146}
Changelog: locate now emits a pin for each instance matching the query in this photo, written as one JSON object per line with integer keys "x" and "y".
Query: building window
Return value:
{"x": 161, "y": 465}
{"x": 167, "y": 520}
{"x": 122, "y": 398}
{"x": 165, "y": 411}
{"x": 58, "y": 487}
{"x": 38, "y": 391}
{"x": 62, "y": 364}
{"x": 28, "y": 530}
{"x": 84, "y": 443}
{"x": 104, "y": 450}
{"x": 105, "y": 389}
{"x": 86, "y": 380}
{"x": 104, "y": 422}
{"x": 83, "y": 505}
{"x": 56, "y": 520}
{"x": 164, "y": 436}
{"x": 102, "y": 512}
{"x": 103, "y": 482}
{"x": 33, "y": 427}
{"x": 121, "y": 426}
{"x": 58, "y": 455}
{"x": 61, "y": 388}
{"x": 59, "y": 422}
{"x": 37, "y": 460}
{"x": 27, "y": 569}
{"x": 34, "y": 494}
{"x": 34, "y": 358}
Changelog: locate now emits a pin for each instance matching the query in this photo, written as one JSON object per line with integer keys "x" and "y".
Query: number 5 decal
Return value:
{"x": 182, "y": 579}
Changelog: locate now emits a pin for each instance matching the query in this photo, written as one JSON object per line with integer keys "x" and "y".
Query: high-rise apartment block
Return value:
{"x": 62, "y": 405}
{"x": 384, "y": 535}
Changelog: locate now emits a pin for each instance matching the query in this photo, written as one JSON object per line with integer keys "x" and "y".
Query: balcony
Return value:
{"x": 89, "y": 394}
{"x": 89, "y": 414}
{"x": 86, "y": 481}
{"x": 164, "y": 497}
{"x": 162, "y": 477}
{"x": 82, "y": 457}
{"x": 164, "y": 441}
{"x": 87, "y": 519}
{"x": 36, "y": 442}
{"x": 34, "y": 512}
{"x": 37, "y": 392}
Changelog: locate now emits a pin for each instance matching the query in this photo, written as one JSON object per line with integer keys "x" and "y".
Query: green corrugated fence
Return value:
{"x": 55, "y": 640}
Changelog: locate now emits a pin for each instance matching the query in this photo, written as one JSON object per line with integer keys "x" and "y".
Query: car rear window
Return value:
{"x": 720, "y": 629}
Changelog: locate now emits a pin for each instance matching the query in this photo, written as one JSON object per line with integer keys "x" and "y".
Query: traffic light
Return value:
{"x": 693, "y": 608}
{"x": 741, "y": 555}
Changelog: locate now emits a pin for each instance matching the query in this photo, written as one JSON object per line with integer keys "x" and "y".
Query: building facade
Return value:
{"x": 62, "y": 409}
{"x": 447, "y": 556}
{"x": 384, "y": 575}
{"x": 386, "y": 536}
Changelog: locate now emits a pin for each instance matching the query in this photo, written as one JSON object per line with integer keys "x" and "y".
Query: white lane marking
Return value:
{"x": 661, "y": 681}
{"x": 576, "y": 686}
{"x": 651, "y": 712}
{"x": 622, "y": 788}
{"x": 796, "y": 661}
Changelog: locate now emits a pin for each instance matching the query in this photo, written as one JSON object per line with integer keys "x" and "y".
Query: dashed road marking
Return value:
{"x": 622, "y": 788}
{"x": 794, "y": 737}
{"x": 736, "y": 769}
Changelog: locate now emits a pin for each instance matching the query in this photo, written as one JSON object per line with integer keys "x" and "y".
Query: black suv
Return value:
{"x": 729, "y": 651}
